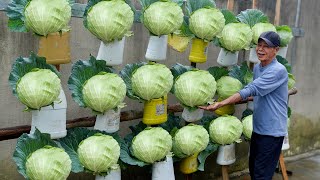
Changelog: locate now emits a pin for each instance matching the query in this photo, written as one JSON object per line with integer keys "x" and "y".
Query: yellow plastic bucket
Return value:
{"x": 190, "y": 164}
{"x": 178, "y": 43}
{"x": 228, "y": 109}
{"x": 155, "y": 111}
{"x": 55, "y": 48}
{"x": 198, "y": 53}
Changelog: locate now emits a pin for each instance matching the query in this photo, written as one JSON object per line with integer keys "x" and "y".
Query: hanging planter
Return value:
{"x": 109, "y": 121}
{"x": 190, "y": 164}
{"x": 112, "y": 52}
{"x": 163, "y": 169}
{"x": 114, "y": 174}
{"x": 198, "y": 53}
{"x": 227, "y": 58}
{"x": 157, "y": 48}
{"x": 155, "y": 111}
{"x": 283, "y": 51}
{"x": 226, "y": 154}
{"x": 253, "y": 55}
{"x": 192, "y": 115}
{"x": 286, "y": 36}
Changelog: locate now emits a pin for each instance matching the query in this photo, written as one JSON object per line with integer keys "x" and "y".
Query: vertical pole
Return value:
{"x": 225, "y": 175}
{"x": 277, "y": 14}
{"x": 230, "y": 5}
{"x": 58, "y": 67}
{"x": 254, "y": 4}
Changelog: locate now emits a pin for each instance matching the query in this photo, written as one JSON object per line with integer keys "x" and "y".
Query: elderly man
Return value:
{"x": 270, "y": 96}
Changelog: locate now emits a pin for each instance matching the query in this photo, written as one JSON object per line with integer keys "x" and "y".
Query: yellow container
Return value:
{"x": 155, "y": 111}
{"x": 198, "y": 53}
{"x": 190, "y": 164}
{"x": 178, "y": 43}
{"x": 228, "y": 109}
{"x": 55, "y": 48}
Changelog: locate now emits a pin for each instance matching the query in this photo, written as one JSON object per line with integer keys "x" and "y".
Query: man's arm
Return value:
{"x": 230, "y": 100}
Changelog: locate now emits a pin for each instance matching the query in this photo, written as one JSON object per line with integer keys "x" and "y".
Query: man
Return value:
{"x": 270, "y": 96}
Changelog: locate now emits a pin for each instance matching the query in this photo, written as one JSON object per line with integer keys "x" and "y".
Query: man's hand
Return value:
{"x": 212, "y": 107}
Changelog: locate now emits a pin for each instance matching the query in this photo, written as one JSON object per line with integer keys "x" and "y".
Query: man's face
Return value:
{"x": 264, "y": 52}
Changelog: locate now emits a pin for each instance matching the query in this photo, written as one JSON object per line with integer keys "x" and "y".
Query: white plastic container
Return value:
{"x": 250, "y": 105}
{"x": 51, "y": 120}
{"x": 163, "y": 170}
{"x": 227, "y": 58}
{"x": 285, "y": 144}
{"x": 226, "y": 155}
{"x": 111, "y": 52}
{"x": 157, "y": 48}
{"x": 283, "y": 51}
{"x": 109, "y": 121}
{"x": 114, "y": 174}
{"x": 192, "y": 116}
{"x": 253, "y": 55}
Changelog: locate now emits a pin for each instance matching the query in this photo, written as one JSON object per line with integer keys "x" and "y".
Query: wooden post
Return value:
{"x": 58, "y": 67}
{"x": 224, "y": 170}
{"x": 230, "y": 5}
{"x": 277, "y": 13}
{"x": 254, "y": 4}
{"x": 283, "y": 167}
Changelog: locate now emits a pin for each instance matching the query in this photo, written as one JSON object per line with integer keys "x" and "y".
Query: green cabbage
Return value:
{"x": 189, "y": 140}
{"x": 152, "y": 81}
{"x": 110, "y": 20}
{"x": 247, "y": 124}
{"x": 49, "y": 163}
{"x": 99, "y": 153}
{"x": 227, "y": 86}
{"x": 194, "y": 88}
{"x": 38, "y": 88}
{"x": 291, "y": 81}
{"x": 206, "y": 23}
{"x": 103, "y": 92}
{"x": 236, "y": 36}
{"x": 47, "y": 16}
{"x": 225, "y": 130}
{"x": 163, "y": 17}
{"x": 285, "y": 34}
{"x": 259, "y": 28}
{"x": 151, "y": 144}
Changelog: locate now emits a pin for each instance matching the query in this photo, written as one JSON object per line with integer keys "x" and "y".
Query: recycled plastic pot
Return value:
{"x": 157, "y": 48}
{"x": 155, "y": 111}
{"x": 190, "y": 164}
{"x": 163, "y": 170}
{"x": 192, "y": 116}
{"x": 51, "y": 120}
{"x": 226, "y": 154}
{"x": 56, "y": 48}
{"x": 112, "y": 52}
{"x": 198, "y": 53}
{"x": 283, "y": 51}
{"x": 227, "y": 58}
{"x": 115, "y": 174}
{"x": 109, "y": 121}
{"x": 227, "y": 109}
{"x": 253, "y": 56}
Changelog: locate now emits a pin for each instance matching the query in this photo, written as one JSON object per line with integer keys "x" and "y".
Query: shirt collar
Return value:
{"x": 265, "y": 67}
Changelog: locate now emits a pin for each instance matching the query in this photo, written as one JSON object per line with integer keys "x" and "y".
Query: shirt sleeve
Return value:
{"x": 265, "y": 84}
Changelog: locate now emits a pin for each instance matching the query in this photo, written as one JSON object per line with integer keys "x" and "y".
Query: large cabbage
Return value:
{"x": 194, "y": 88}
{"x": 152, "y": 81}
{"x": 163, "y": 17}
{"x": 151, "y": 144}
{"x": 110, "y": 20}
{"x": 104, "y": 91}
{"x": 291, "y": 81}
{"x": 225, "y": 130}
{"x": 99, "y": 152}
{"x": 206, "y": 23}
{"x": 38, "y": 88}
{"x": 236, "y": 36}
{"x": 285, "y": 34}
{"x": 49, "y": 163}
{"x": 189, "y": 140}
{"x": 227, "y": 86}
{"x": 247, "y": 123}
{"x": 47, "y": 16}
{"x": 259, "y": 28}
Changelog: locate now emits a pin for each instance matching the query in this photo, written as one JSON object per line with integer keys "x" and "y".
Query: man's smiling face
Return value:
{"x": 265, "y": 53}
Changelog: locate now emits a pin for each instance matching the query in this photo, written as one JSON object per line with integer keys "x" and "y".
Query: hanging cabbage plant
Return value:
{"x": 108, "y": 20}
{"x": 227, "y": 86}
{"x": 243, "y": 73}
{"x": 38, "y": 157}
{"x": 34, "y": 82}
{"x": 147, "y": 81}
{"x": 161, "y": 17}
{"x": 95, "y": 85}
{"x": 39, "y": 16}
{"x": 247, "y": 124}
{"x": 260, "y": 28}
{"x": 285, "y": 34}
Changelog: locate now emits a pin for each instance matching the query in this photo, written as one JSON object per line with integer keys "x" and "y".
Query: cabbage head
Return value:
{"x": 247, "y": 124}
{"x": 225, "y": 130}
{"x": 151, "y": 145}
{"x": 98, "y": 153}
{"x": 206, "y": 23}
{"x": 285, "y": 34}
{"x": 189, "y": 140}
{"x": 259, "y": 28}
{"x": 194, "y": 88}
{"x": 291, "y": 81}
{"x": 49, "y": 163}
{"x": 236, "y": 36}
{"x": 47, "y": 16}
{"x": 227, "y": 86}
{"x": 152, "y": 81}
{"x": 38, "y": 88}
{"x": 163, "y": 17}
{"x": 103, "y": 92}
{"x": 110, "y": 20}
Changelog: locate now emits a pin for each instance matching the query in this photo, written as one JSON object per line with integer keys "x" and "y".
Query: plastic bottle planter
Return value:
{"x": 285, "y": 144}
{"x": 250, "y": 105}
{"x": 190, "y": 164}
{"x": 157, "y": 48}
{"x": 163, "y": 170}
{"x": 227, "y": 58}
{"x": 56, "y": 48}
{"x": 226, "y": 155}
{"x": 114, "y": 174}
{"x": 198, "y": 53}
{"x": 253, "y": 55}
{"x": 155, "y": 111}
{"x": 283, "y": 51}
{"x": 109, "y": 121}
{"x": 51, "y": 120}
{"x": 192, "y": 116}
{"x": 112, "y": 52}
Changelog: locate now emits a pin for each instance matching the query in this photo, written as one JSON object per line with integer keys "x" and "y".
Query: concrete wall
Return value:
{"x": 303, "y": 53}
